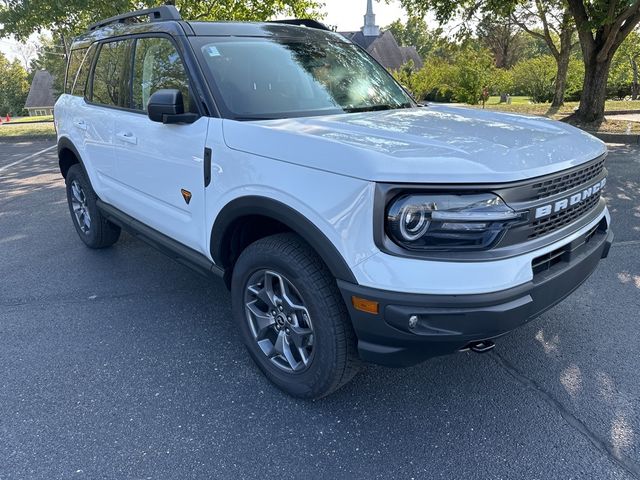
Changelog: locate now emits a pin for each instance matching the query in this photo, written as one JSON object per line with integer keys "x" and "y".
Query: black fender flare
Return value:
{"x": 291, "y": 218}
{"x": 64, "y": 143}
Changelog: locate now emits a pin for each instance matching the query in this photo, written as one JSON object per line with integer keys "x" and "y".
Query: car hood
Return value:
{"x": 433, "y": 144}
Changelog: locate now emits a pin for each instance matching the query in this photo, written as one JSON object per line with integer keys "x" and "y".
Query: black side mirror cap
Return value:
{"x": 167, "y": 106}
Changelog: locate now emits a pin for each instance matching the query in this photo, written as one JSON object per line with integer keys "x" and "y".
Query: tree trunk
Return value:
{"x": 561, "y": 78}
{"x": 635, "y": 86}
{"x": 594, "y": 93}
{"x": 563, "y": 57}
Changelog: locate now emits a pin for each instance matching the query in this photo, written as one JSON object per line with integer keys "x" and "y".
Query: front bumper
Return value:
{"x": 448, "y": 323}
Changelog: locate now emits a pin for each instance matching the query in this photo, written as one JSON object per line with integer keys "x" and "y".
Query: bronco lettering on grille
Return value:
{"x": 571, "y": 201}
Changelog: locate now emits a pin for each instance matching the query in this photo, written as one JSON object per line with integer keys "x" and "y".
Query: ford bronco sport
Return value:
{"x": 350, "y": 223}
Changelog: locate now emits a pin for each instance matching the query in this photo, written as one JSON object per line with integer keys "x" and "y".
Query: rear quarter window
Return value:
{"x": 75, "y": 60}
{"x": 80, "y": 83}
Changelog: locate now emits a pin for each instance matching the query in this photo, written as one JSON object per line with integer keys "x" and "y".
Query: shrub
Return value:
{"x": 536, "y": 78}
{"x": 472, "y": 71}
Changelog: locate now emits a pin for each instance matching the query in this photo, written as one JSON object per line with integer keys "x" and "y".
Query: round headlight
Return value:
{"x": 414, "y": 222}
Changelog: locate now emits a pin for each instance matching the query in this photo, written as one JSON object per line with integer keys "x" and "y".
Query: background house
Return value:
{"x": 382, "y": 46}
{"x": 41, "y": 95}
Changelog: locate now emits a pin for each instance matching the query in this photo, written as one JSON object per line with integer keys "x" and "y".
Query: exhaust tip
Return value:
{"x": 480, "y": 347}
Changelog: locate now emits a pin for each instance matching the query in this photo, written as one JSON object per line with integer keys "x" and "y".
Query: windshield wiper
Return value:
{"x": 377, "y": 108}
{"x": 254, "y": 118}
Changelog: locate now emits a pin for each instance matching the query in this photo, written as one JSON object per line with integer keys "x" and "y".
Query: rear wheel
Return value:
{"x": 93, "y": 229}
{"x": 292, "y": 317}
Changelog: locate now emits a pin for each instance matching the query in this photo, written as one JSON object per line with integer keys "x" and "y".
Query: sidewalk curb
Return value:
{"x": 27, "y": 138}
{"x": 633, "y": 139}
{"x": 622, "y": 112}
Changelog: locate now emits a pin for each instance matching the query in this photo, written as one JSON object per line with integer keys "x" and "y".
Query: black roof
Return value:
{"x": 41, "y": 91}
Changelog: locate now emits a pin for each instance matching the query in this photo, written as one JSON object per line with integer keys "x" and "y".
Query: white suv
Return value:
{"x": 349, "y": 222}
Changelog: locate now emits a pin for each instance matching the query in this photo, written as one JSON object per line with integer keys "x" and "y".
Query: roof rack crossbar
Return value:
{"x": 156, "y": 14}
{"x": 303, "y": 22}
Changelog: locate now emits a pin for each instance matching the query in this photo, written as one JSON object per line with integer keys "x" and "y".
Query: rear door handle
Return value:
{"x": 127, "y": 137}
{"x": 81, "y": 125}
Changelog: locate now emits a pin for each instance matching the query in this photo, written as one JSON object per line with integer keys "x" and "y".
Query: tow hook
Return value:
{"x": 481, "y": 347}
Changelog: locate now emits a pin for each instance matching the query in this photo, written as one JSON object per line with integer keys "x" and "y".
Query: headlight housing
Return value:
{"x": 444, "y": 222}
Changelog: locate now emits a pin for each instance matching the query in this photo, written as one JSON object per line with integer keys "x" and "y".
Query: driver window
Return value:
{"x": 157, "y": 65}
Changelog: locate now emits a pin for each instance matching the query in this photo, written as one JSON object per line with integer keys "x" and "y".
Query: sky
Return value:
{"x": 347, "y": 15}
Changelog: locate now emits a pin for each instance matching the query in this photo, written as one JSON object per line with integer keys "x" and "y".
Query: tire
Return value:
{"x": 330, "y": 349}
{"x": 92, "y": 227}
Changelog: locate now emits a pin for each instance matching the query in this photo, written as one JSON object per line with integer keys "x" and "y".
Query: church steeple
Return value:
{"x": 370, "y": 28}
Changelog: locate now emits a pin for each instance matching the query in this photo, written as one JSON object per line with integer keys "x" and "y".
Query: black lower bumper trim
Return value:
{"x": 448, "y": 323}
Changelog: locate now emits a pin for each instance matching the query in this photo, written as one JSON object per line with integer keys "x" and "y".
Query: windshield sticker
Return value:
{"x": 212, "y": 51}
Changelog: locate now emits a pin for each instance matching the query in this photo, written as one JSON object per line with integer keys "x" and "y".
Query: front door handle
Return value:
{"x": 127, "y": 137}
{"x": 80, "y": 125}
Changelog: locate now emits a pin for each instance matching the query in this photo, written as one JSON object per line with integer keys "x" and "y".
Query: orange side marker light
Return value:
{"x": 364, "y": 305}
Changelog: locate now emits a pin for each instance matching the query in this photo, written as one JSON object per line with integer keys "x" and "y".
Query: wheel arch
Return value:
{"x": 226, "y": 243}
{"x": 68, "y": 155}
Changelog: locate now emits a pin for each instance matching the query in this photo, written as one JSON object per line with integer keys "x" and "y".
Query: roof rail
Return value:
{"x": 156, "y": 14}
{"x": 303, "y": 22}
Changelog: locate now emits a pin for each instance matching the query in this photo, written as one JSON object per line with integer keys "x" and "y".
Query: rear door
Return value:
{"x": 160, "y": 168}
{"x": 106, "y": 97}
{"x": 71, "y": 108}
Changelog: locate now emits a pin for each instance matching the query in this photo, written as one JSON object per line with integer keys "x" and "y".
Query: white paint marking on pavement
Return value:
{"x": 27, "y": 158}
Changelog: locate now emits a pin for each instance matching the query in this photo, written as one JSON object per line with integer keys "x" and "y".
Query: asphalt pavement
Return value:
{"x": 122, "y": 364}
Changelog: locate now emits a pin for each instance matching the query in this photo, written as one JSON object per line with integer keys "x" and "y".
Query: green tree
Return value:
{"x": 602, "y": 27}
{"x": 502, "y": 36}
{"x": 624, "y": 78}
{"x": 52, "y": 58}
{"x": 415, "y": 33}
{"x": 14, "y": 86}
{"x": 558, "y": 33}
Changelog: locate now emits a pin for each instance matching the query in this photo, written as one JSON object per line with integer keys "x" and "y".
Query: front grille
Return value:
{"x": 558, "y": 220}
{"x": 563, "y": 183}
{"x": 546, "y": 262}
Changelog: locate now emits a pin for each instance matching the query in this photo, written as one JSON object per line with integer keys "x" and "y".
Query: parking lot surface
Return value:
{"x": 124, "y": 364}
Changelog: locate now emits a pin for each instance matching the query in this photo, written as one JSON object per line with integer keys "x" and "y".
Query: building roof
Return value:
{"x": 385, "y": 49}
{"x": 41, "y": 91}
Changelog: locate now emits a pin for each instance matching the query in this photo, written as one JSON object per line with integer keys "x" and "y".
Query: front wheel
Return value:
{"x": 292, "y": 317}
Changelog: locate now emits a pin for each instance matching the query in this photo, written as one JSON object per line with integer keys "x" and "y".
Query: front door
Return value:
{"x": 160, "y": 168}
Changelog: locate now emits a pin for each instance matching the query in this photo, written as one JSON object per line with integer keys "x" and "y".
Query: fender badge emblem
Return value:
{"x": 186, "y": 194}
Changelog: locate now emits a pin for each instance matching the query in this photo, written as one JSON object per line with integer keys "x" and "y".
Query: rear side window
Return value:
{"x": 110, "y": 83}
{"x": 157, "y": 65}
{"x": 75, "y": 60}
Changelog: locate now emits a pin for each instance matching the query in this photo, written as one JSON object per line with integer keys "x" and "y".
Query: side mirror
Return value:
{"x": 167, "y": 106}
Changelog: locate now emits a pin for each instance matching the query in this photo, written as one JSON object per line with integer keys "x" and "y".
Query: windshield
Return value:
{"x": 265, "y": 78}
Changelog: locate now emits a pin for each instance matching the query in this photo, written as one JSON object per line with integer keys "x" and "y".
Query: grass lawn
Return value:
{"x": 41, "y": 118}
{"x": 27, "y": 130}
{"x": 524, "y": 106}
{"x": 514, "y": 100}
